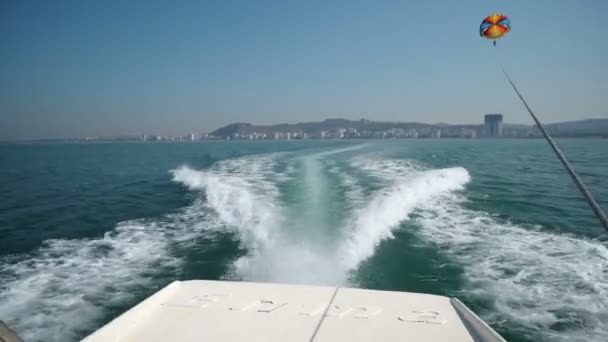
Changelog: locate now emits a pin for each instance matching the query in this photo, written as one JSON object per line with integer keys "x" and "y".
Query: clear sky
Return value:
{"x": 89, "y": 68}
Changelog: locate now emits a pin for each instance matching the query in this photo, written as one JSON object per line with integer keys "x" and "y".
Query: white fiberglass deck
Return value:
{"x": 200, "y": 310}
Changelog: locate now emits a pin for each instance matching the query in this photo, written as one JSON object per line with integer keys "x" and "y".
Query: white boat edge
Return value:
{"x": 204, "y": 310}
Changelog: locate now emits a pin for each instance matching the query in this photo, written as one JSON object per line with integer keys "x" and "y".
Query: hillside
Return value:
{"x": 580, "y": 128}
{"x": 314, "y": 127}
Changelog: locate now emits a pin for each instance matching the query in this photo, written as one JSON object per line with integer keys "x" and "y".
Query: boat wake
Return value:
{"x": 314, "y": 218}
{"x": 544, "y": 285}
{"x": 67, "y": 286}
{"x": 247, "y": 201}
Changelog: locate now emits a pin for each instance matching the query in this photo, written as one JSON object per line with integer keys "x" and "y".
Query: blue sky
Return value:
{"x": 88, "y": 68}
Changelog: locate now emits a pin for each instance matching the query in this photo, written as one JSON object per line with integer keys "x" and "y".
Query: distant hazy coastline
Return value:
{"x": 332, "y": 129}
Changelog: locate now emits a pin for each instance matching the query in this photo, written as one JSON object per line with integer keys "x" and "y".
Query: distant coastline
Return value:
{"x": 333, "y": 129}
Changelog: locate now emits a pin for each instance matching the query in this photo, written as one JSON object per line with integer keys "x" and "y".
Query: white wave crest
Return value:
{"x": 243, "y": 201}
{"x": 394, "y": 204}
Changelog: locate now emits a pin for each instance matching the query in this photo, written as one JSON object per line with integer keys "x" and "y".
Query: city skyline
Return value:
{"x": 74, "y": 69}
{"x": 492, "y": 126}
{"x": 204, "y": 132}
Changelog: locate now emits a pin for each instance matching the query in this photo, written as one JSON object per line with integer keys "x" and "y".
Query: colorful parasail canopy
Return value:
{"x": 495, "y": 26}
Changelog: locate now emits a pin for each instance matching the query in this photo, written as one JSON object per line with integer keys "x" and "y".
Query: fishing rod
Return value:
{"x": 579, "y": 184}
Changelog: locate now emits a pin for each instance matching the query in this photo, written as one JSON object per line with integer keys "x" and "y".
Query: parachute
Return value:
{"x": 494, "y": 27}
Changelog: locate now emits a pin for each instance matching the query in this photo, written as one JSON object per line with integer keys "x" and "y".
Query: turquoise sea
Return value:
{"x": 89, "y": 230}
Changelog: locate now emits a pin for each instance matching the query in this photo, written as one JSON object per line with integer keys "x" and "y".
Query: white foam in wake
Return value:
{"x": 245, "y": 200}
{"x": 384, "y": 168}
{"x": 554, "y": 286}
{"x": 547, "y": 286}
{"x": 66, "y": 286}
{"x": 243, "y": 194}
{"x": 388, "y": 208}
{"x": 237, "y": 190}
